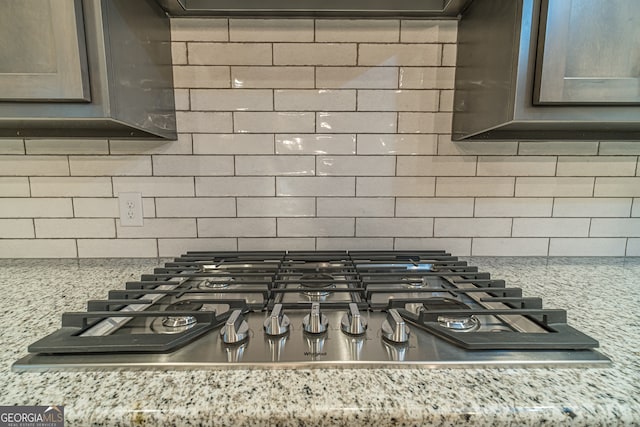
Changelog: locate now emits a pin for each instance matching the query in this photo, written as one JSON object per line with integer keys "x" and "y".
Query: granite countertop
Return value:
{"x": 601, "y": 295}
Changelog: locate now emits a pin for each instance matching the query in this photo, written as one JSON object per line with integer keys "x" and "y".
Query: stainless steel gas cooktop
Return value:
{"x": 313, "y": 309}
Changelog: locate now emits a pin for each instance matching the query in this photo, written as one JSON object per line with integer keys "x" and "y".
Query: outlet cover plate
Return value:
{"x": 130, "y": 209}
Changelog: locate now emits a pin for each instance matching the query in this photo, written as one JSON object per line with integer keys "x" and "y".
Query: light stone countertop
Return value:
{"x": 601, "y": 295}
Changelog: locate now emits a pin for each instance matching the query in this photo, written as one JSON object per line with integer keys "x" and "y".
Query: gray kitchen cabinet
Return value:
{"x": 43, "y": 55}
{"x": 548, "y": 69}
{"x": 85, "y": 68}
{"x": 588, "y": 53}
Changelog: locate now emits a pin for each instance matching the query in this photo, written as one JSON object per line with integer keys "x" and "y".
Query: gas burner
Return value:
{"x": 418, "y": 283}
{"x": 460, "y": 323}
{"x": 220, "y": 282}
{"x": 207, "y": 268}
{"x": 179, "y": 323}
{"x": 316, "y": 284}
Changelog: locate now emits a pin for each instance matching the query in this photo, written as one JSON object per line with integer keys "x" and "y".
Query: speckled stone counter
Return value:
{"x": 602, "y": 296}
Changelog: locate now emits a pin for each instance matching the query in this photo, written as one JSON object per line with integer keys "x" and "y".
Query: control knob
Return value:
{"x": 277, "y": 323}
{"x": 352, "y": 322}
{"x": 235, "y": 329}
{"x": 315, "y": 322}
{"x": 394, "y": 328}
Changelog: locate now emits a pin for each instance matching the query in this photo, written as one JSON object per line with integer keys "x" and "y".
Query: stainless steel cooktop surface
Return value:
{"x": 313, "y": 309}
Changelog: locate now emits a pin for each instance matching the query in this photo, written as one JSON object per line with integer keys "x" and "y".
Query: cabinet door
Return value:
{"x": 588, "y": 52}
{"x": 42, "y": 51}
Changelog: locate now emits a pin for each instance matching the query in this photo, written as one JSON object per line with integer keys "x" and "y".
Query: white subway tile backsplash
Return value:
{"x": 424, "y": 122}
{"x": 276, "y": 206}
{"x": 154, "y": 186}
{"x": 181, "y": 146}
{"x": 457, "y": 246}
{"x": 271, "y": 122}
{"x": 71, "y": 187}
{"x": 118, "y": 248}
{"x": 354, "y": 243}
{"x": 392, "y": 55}
{"x": 275, "y": 165}
{"x": 14, "y": 187}
{"x": 550, "y": 227}
{"x": 34, "y": 165}
{"x": 475, "y": 186}
{"x": 516, "y": 166}
{"x": 633, "y": 247}
{"x": 617, "y": 187}
{"x": 12, "y": 146}
{"x": 66, "y": 146}
{"x": 199, "y": 29}
{"x": 276, "y": 243}
{"x": 195, "y": 207}
{"x": 317, "y": 144}
{"x": 587, "y": 247}
{"x": 449, "y": 55}
{"x": 472, "y": 227}
{"x": 235, "y": 186}
{"x": 596, "y": 166}
{"x": 357, "y": 77}
{"x": 355, "y": 206}
{"x": 584, "y": 148}
{"x": 615, "y": 227}
{"x": 357, "y": 30}
{"x": 110, "y": 165}
{"x": 229, "y": 53}
{"x": 436, "y": 165}
{"x": 394, "y": 227}
{"x": 586, "y": 207}
{"x": 314, "y": 54}
{"x": 397, "y": 144}
{"x": 315, "y": 100}
{"x": 356, "y": 122}
{"x": 318, "y": 227}
{"x": 192, "y": 165}
{"x": 271, "y": 30}
{"x": 232, "y": 99}
{"x": 398, "y": 100}
{"x": 181, "y": 97}
{"x": 94, "y": 207}
{"x": 316, "y": 186}
{"x": 356, "y": 165}
{"x": 174, "y": 247}
{"x": 624, "y": 148}
{"x": 159, "y": 227}
{"x": 16, "y": 229}
{"x": 487, "y": 246}
{"x": 434, "y": 207}
{"x": 35, "y": 208}
{"x": 233, "y": 143}
{"x": 178, "y": 53}
{"x": 204, "y": 122}
{"x": 236, "y": 227}
{"x": 513, "y": 207}
{"x": 304, "y": 134}
{"x": 395, "y": 186}
{"x": 74, "y": 227}
{"x": 456, "y": 148}
{"x": 38, "y": 248}
{"x": 189, "y": 76}
{"x": 554, "y": 187}
{"x": 272, "y": 77}
{"x": 427, "y": 77}
{"x": 428, "y": 31}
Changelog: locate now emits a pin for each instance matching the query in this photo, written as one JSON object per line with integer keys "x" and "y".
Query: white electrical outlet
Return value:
{"x": 130, "y": 209}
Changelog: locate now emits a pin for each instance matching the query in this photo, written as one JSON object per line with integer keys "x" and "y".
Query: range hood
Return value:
{"x": 312, "y": 8}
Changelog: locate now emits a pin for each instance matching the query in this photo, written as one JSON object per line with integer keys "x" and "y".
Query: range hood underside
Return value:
{"x": 315, "y": 8}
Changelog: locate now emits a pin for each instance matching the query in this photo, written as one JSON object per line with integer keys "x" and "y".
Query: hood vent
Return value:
{"x": 316, "y": 8}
